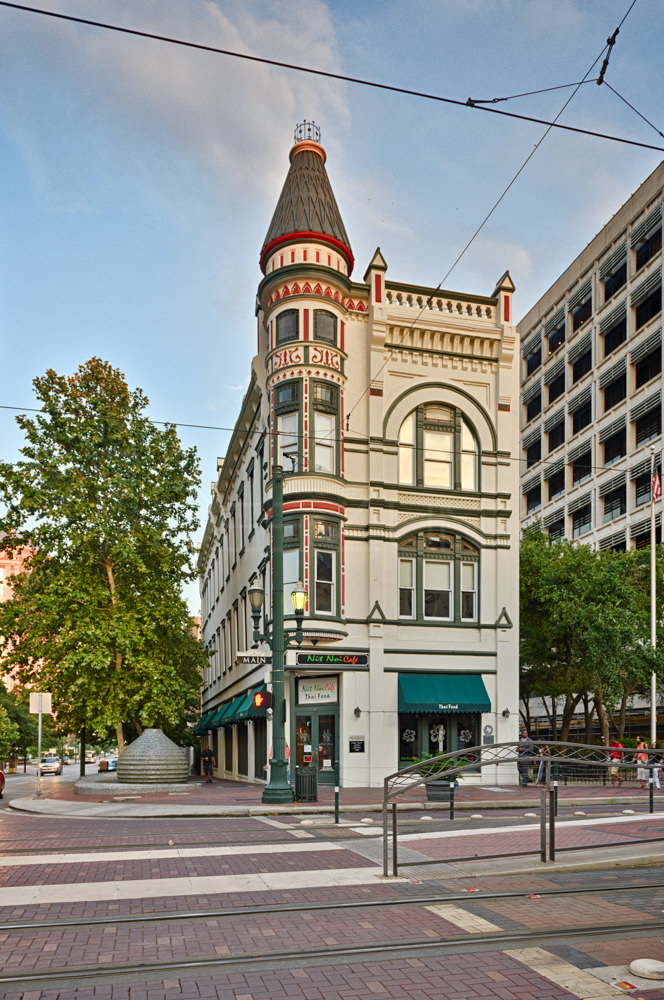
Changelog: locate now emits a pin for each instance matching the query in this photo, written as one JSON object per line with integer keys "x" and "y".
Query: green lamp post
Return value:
{"x": 278, "y": 788}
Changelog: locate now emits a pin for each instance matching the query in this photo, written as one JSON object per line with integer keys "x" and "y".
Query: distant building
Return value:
{"x": 9, "y": 567}
{"x": 393, "y": 409}
{"x": 591, "y": 384}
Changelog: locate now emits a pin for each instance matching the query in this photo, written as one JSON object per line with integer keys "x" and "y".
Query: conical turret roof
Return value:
{"x": 307, "y": 206}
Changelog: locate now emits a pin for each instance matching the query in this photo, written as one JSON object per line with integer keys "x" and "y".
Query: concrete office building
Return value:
{"x": 591, "y": 384}
{"x": 393, "y": 410}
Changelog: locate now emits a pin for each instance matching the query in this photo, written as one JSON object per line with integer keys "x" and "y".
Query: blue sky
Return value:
{"x": 138, "y": 178}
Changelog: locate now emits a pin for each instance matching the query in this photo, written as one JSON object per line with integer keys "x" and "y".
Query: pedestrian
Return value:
{"x": 207, "y": 757}
{"x": 526, "y": 751}
{"x": 656, "y": 761}
{"x": 642, "y": 761}
{"x": 544, "y": 752}
{"x": 614, "y": 757}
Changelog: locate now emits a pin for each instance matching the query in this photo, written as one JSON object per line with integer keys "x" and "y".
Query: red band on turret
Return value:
{"x": 331, "y": 241}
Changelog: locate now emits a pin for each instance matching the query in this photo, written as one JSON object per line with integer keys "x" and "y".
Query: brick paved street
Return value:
{"x": 237, "y": 871}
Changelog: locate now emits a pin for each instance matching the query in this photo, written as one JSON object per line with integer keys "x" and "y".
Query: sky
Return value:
{"x": 138, "y": 178}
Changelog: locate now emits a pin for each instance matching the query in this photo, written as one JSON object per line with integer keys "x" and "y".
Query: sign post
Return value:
{"x": 40, "y": 702}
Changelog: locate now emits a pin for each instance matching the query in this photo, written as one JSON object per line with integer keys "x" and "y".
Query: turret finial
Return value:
{"x": 307, "y": 130}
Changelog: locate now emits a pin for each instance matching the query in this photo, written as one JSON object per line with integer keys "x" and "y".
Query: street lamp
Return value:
{"x": 278, "y": 788}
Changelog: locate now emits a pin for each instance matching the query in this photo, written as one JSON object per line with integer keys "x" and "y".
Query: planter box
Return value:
{"x": 438, "y": 791}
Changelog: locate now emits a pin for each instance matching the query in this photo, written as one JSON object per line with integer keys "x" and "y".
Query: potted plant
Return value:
{"x": 437, "y": 789}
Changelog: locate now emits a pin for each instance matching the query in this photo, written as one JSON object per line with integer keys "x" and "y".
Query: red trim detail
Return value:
{"x": 375, "y": 392}
{"x": 504, "y": 407}
{"x": 305, "y": 332}
{"x": 377, "y": 288}
{"x": 506, "y": 308}
{"x": 311, "y": 237}
{"x": 342, "y": 335}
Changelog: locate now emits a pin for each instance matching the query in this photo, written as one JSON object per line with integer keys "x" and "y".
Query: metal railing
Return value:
{"x": 561, "y": 761}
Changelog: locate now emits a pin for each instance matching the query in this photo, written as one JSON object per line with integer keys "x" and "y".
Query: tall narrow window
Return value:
{"x": 325, "y": 326}
{"x": 292, "y": 565}
{"x": 324, "y": 564}
{"x": 437, "y": 589}
{"x": 325, "y": 545}
{"x": 406, "y": 588}
{"x": 468, "y": 592}
{"x": 325, "y": 427}
{"x": 407, "y": 451}
{"x": 287, "y": 418}
{"x": 287, "y": 326}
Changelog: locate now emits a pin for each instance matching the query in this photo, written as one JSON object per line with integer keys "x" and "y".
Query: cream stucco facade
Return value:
{"x": 394, "y": 412}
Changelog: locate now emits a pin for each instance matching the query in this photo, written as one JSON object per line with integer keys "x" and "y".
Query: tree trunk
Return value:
{"x": 588, "y": 711}
{"x": 602, "y": 716}
{"x": 622, "y": 715}
{"x": 568, "y": 712}
{"x": 119, "y": 728}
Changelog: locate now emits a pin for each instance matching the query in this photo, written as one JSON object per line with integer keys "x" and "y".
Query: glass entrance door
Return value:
{"x": 316, "y": 742}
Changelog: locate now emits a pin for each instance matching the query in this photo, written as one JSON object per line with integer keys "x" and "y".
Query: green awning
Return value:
{"x": 442, "y": 693}
{"x": 203, "y": 722}
{"x": 222, "y": 713}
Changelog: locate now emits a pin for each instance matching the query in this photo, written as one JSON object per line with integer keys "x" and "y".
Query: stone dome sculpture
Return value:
{"x": 152, "y": 759}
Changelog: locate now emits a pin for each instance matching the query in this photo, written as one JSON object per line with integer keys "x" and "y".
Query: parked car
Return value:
{"x": 50, "y": 765}
{"x": 113, "y": 764}
{"x": 2, "y": 783}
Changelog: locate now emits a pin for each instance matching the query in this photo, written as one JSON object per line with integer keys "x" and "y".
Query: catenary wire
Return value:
{"x": 491, "y": 211}
{"x": 470, "y": 103}
{"x": 337, "y": 440}
{"x": 325, "y": 73}
{"x": 635, "y": 110}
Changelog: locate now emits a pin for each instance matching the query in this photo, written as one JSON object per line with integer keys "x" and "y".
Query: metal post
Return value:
{"x": 555, "y": 789}
{"x": 385, "y": 830}
{"x": 394, "y": 839}
{"x": 543, "y": 825}
{"x": 651, "y": 786}
{"x": 81, "y": 762}
{"x": 452, "y": 780}
{"x": 278, "y": 789}
{"x": 552, "y": 825}
{"x": 336, "y": 804}
{"x": 39, "y": 743}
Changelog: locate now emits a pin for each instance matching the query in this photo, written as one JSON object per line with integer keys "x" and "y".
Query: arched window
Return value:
{"x": 438, "y": 449}
{"x": 438, "y": 577}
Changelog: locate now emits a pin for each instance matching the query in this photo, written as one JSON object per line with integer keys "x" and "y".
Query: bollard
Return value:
{"x": 555, "y": 789}
{"x": 651, "y": 787}
{"x": 336, "y": 804}
{"x": 452, "y": 798}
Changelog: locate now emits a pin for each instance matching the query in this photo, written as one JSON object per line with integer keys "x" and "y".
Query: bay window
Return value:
{"x": 438, "y": 576}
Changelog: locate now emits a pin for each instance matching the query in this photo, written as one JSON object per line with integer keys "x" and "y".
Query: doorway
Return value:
{"x": 317, "y": 741}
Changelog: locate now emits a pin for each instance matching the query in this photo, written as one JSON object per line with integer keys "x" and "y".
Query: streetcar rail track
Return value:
{"x": 348, "y": 904}
{"x": 330, "y": 954}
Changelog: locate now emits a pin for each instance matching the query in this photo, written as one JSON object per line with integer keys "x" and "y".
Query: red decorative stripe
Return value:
{"x": 312, "y": 237}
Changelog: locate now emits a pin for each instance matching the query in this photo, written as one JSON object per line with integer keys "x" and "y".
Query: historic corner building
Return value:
{"x": 393, "y": 410}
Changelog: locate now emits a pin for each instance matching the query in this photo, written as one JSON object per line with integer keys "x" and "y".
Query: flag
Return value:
{"x": 656, "y": 482}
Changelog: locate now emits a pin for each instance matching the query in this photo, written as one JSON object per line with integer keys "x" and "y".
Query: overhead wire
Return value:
{"x": 344, "y": 78}
{"x": 490, "y": 213}
{"x": 472, "y": 103}
{"x": 300, "y": 438}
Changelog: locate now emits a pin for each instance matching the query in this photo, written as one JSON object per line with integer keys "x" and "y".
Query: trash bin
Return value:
{"x": 306, "y": 784}
{"x": 103, "y": 765}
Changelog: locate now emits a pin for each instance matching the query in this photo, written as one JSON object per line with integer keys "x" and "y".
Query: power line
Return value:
{"x": 636, "y": 112}
{"x": 326, "y": 73}
{"x": 300, "y": 438}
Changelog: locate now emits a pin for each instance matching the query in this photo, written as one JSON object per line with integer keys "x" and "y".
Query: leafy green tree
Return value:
{"x": 26, "y": 724}
{"x": 8, "y": 734}
{"x": 104, "y": 502}
{"x": 584, "y": 626}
